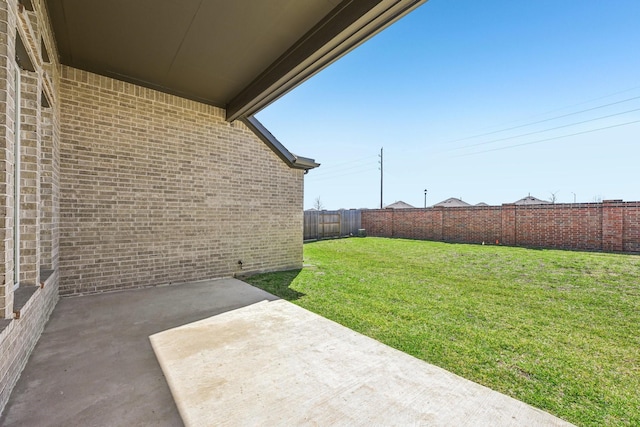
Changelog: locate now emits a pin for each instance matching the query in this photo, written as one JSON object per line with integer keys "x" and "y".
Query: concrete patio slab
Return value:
{"x": 276, "y": 364}
{"x": 94, "y": 365}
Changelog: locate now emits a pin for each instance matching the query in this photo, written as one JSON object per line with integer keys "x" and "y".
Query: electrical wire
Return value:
{"x": 548, "y": 139}
{"x": 557, "y": 117}
{"x": 350, "y": 162}
{"x": 544, "y": 130}
{"x": 549, "y": 119}
{"x": 311, "y": 177}
{"x": 328, "y": 171}
{"x": 331, "y": 172}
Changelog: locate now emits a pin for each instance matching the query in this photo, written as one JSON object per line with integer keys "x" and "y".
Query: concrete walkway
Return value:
{"x": 233, "y": 359}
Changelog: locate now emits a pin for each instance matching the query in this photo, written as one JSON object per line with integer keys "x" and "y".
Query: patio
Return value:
{"x": 94, "y": 365}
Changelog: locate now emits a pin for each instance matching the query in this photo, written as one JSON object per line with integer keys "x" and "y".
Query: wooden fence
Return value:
{"x": 329, "y": 224}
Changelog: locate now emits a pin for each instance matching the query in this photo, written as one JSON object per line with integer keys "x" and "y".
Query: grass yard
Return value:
{"x": 556, "y": 329}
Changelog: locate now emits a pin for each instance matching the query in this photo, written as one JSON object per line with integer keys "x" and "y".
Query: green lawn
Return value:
{"x": 559, "y": 330}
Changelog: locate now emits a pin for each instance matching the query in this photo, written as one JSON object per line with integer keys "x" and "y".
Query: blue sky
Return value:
{"x": 476, "y": 99}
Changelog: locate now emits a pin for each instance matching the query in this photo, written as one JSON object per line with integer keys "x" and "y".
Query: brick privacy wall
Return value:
{"x": 481, "y": 224}
{"x": 609, "y": 226}
{"x": 157, "y": 189}
{"x": 631, "y": 227}
{"x": 566, "y": 226}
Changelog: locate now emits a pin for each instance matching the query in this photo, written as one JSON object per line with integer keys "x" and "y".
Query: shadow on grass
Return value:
{"x": 278, "y": 283}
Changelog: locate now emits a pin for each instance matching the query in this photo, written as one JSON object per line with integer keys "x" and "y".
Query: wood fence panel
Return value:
{"x": 330, "y": 224}
{"x": 311, "y": 220}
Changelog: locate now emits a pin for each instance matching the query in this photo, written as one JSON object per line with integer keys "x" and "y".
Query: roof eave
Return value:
{"x": 293, "y": 161}
{"x": 350, "y": 24}
{"x": 304, "y": 163}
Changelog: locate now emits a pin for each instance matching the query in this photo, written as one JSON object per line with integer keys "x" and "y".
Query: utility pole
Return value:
{"x": 425, "y": 198}
{"x": 574, "y": 196}
{"x": 381, "y": 176}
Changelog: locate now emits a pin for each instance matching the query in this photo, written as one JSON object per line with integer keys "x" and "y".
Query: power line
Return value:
{"x": 544, "y": 130}
{"x": 549, "y": 139}
{"x": 545, "y": 120}
{"x": 339, "y": 175}
{"x": 350, "y": 162}
{"x": 557, "y": 109}
{"x": 331, "y": 172}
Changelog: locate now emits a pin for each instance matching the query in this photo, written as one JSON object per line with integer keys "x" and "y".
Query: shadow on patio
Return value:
{"x": 94, "y": 364}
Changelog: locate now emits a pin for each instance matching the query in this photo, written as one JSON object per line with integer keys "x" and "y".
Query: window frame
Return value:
{"x": 17, "y": 149}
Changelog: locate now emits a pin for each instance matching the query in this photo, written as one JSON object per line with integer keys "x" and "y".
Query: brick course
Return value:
{"x": 631, "y": 227}
{"x": 158, "y": 189}
{"x": 19, "y": 336}
{"x": 612, "y": 226}
{"x": 38, "y": 197}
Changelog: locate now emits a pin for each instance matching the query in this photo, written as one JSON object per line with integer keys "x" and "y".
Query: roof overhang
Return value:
{"x": 296, "y": 162}
{"x": 239, "y": 55}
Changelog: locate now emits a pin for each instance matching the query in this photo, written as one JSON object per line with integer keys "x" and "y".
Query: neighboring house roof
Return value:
{"x": 452, "y": 202}
{"x": 239, "y": 55}
{"x": 481, "y": 204}
{"x": 399, "y": 205}
{"x": 530, "y": 200}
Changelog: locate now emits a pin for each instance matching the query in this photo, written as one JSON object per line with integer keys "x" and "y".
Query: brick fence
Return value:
{"x": 612, "y": 226}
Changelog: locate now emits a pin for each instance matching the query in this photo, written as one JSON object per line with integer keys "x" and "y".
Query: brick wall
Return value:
{"x": 631, "y": 227}
{"x": 120, "y": 187}
{"x": 563, "y": 226}
{"x": 481, "y": 224}
{"x": 22, "y": 319}
{"x": 29, "y": 197}
{"x": 18, "y": 337}
{"x": 609, "y": 226}
{"x": 157, "y": 189}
